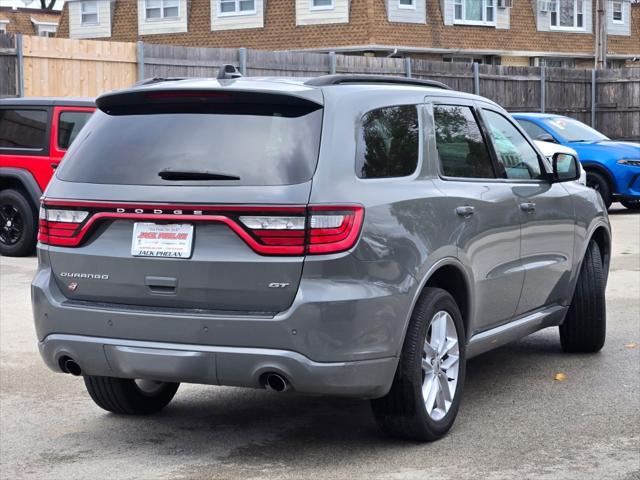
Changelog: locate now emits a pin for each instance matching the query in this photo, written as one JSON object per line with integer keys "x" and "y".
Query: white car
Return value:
{"x": 550, "y": 148}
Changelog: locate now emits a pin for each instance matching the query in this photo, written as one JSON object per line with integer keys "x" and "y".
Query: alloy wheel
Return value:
{"x": 440, "y": 362}
{"x": 11, "y": 225}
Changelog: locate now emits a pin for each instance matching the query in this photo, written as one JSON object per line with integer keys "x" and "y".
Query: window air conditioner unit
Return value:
{"x": 505, "y": 3}
{"x": 546, "y": 5}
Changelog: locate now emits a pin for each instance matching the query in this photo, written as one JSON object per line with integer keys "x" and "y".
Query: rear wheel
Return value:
{"x": 130, "y": 397}
{"x": 584, "y": 328}
{"x": 599, "y": 183}
{"x": 631, "y": 204}
{"x": 17, "y": 224}
{"x": 425, "y": 395}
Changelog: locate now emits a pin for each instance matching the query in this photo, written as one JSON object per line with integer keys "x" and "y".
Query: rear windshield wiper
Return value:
{"x": 170, "y": 174}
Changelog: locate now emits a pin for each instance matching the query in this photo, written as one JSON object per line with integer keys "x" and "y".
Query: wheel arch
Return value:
{"x": 589, "y": 165}
{"x": 21, "y": 180}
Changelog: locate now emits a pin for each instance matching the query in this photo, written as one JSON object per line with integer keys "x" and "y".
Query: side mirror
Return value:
{"x": 546, "y": 137}
{"x": 566, "y": 167}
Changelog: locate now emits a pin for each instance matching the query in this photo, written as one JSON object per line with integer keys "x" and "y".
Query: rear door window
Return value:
{"x": 69, "y": 125}
{"x": 388, "y": 142}
{"x": 269, "y": 146}
{"x": 461, "y": 147}
{"x": 23, "y": 129}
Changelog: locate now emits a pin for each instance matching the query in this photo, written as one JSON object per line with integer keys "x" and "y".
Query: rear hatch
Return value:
{"x": 186, "y": 199}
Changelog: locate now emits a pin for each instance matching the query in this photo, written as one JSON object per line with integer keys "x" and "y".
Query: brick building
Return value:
{"x": 508, "y": 32}
{"x": 29, "y": 21}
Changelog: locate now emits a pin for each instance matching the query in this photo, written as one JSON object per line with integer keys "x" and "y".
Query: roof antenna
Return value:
{"x": 227, "y": 72}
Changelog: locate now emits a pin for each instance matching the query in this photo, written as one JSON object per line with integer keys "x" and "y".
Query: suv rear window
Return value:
{"x": 23, "y": 129}
{"x": 271, "y": 146}
{"x": 388, "y": 143}
{"x": 69, "y": 125}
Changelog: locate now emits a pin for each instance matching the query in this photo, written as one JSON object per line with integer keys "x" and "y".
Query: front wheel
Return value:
{"x": 17, "y": 224}
{"x": 631, "y": 204}
{"x": 599, "y": 183}
{"x": 425, "y": 395}
{"x": 130, "y": 397}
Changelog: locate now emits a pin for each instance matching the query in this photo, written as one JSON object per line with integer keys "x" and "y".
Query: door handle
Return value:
{"x": 528, "y": 207}
{"x": 465, "y": 211}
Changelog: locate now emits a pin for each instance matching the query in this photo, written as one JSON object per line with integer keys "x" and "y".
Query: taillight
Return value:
{"x": 317, "y": 229}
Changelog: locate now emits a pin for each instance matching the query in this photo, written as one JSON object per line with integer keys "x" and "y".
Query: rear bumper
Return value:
{"x": 245, "y": 367}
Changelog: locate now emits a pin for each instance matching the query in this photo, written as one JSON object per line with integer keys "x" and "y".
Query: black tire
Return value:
{"x": 18, "y": 224}
{"x": 631, "y": 204}
{"x": 402, "y": 412}
{"x": 124, "y": 396}
{"x": 599, "y": 183}
{"x": 584, "y": 328}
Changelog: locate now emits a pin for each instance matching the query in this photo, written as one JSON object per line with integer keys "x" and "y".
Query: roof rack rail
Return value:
{"x": 326, "y": 80}
{"x": 150, "y": 81}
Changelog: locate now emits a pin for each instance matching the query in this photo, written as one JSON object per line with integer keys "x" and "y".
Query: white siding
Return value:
{"x": 543, "y": 20}
{"x": 100, "y": 30}
{"x": 407, "y": 15}
{"x": 160, "y": 26}
{"x": 338, "y": 14}
{"x": 233, "y": 22}
{"x": 447, "y": 11}
{"x": 503, "y": 18}
{"x": 616, "y": 28}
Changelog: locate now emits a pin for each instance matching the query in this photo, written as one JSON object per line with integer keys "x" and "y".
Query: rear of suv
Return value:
{"x": 35, "y": 133}
{"x": 356, "y": 236}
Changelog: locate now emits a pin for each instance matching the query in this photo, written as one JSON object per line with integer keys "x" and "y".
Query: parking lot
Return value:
{"x": 516, "y": 420}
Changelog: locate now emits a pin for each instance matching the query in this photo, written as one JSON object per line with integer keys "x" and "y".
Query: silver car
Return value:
{"x": 344, "y": 235}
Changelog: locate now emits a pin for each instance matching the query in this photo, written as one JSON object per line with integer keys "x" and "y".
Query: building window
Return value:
{"x": 567, "y": 15}
{"x": 46, "y": 30}
{"x": 616, "y": 11}
{"x": 89, "y": 13}
{"x": 3, "y": 26}
{"x": 321, "y": 4}
{"x": 161, "y": 9}
{"x": 236, "y": 7}
{"x": 407, "y": 4}
{"x": 474, "y": 12}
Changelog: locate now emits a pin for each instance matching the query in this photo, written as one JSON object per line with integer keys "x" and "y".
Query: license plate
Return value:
{"x": 155, "y": 240}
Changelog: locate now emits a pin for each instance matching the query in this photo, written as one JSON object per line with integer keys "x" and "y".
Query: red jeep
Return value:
{"x": 34, "y": 136}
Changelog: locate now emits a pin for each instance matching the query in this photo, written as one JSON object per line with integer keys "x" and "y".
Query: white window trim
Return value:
{"x": 575, "y": 19}
{"x": 3, "y": 26}
{"x": 483, "y": 23}
{"x": 162, "y": 18}
{"x": 613, "y": 19}
{"x": 313, "y": 8}
{"x": 407, "y": 7}
{"x": 51, "y": 27}
{"x": 237, "y": 12}
{"x": 87, "y": 24}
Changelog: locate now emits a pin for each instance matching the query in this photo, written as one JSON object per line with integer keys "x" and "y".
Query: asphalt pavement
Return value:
{"x": 516, "y": 419}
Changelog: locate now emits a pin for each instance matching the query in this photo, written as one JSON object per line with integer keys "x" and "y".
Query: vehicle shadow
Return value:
{"x": 255, "y": 428}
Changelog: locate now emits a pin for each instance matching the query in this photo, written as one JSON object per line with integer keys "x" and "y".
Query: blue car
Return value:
{"x": 613, "y": 167}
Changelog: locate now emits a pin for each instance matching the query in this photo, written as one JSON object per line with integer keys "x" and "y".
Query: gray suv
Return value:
{"x": 345, "y": 235}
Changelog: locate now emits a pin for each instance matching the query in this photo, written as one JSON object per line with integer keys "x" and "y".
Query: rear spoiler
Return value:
{"x": 176, "y": 100}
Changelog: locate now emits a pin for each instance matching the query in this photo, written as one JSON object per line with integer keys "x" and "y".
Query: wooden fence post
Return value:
{"x": 543, "y": 88}
{"x": 332, "y": 63}
{"x": 594, "y": 99}
{"x": 20, "y": 65}
{"x": 140, "y": 51}
{"x": 407, "y": 67}
{"x": 242, "y": 60}
{"x": 476, "y": 78}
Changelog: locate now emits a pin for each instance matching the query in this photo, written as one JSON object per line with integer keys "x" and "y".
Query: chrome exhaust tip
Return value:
{"x": 276, "y": 382}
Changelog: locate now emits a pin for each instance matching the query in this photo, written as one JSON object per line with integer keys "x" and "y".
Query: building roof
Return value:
{"x": 24, "y": 20}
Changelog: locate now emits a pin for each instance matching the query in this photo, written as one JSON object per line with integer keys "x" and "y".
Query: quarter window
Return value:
{"x": 69, "y": 125}
{"x": 474, "y": 12}
{"x": 89, "y": 13}
{"x": 616, "y": 10}
{"x": 517, "y": 159}
{"x": 23, "y": 129}
{"x": 460, "y": 144}
{"x": 321, "y": 4}
{"x": 567, "y": 14}
{"x": 161, "y": 9}
{"x": 236, "y": 7}
{"x": 388, "y": 142}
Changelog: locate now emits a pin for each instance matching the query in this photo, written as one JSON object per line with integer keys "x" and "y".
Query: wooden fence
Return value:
{"x": 606, "y": 99}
